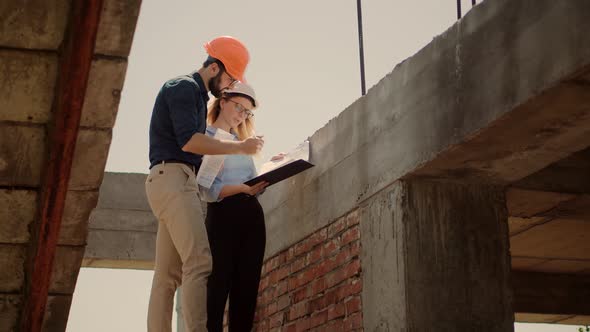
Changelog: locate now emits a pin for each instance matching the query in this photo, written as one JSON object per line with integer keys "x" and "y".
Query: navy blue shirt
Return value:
{"x": 180, "y": 111}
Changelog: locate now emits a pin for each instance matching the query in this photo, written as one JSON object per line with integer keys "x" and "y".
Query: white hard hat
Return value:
{"x": 242, "y": 88}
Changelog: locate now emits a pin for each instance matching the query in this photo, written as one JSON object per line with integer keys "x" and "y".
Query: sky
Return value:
{"x": 305, "y": 70}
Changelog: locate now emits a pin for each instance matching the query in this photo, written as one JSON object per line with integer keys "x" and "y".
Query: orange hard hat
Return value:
{"x": 232, "y": 53}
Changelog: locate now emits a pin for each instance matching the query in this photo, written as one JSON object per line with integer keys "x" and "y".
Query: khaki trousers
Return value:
{"x": 182, "y": 248}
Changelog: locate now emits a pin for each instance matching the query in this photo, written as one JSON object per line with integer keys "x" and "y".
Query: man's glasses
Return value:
{"x": 241, "y": 109}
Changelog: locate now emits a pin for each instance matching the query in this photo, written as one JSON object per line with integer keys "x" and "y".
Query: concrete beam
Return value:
{"x": 36, "y": 24}
{"x": 27, "y": 85}
{"x": 553, "y": 294}
{"x": 569, "y": 175}
{"x": 71, "y": 88}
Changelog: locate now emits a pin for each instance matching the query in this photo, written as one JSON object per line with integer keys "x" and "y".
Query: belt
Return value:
{"x": 174, "y": 161}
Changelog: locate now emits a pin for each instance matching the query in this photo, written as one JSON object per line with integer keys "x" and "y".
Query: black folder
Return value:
{"x": 281, "y": 173}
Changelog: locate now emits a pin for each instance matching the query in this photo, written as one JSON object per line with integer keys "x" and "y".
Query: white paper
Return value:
{"x": 212, "y": 164}
{"x": 300, "y": 152}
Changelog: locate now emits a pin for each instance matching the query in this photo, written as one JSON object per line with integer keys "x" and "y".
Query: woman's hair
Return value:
{"x": 245, "y": 129}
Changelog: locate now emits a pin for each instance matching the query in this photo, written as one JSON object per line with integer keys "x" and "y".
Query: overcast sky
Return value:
{"x": 305, "y": 70}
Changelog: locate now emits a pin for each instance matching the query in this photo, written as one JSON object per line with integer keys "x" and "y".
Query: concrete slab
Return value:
{"x": 22, "y": 152}
{"x": 90, "y": 157}
{"x": 528, "y": 203}
{"x": 103, "y": 93}
{"x": 9, "y": 311}
{"x": 130, "y": 247}
{"x": 558, "y": 239}
{"x": 123, "y": 220}
{"x": 117, "y": 26}
{"x": 123, "y": 191}
{"x": 65, "y": 269}
{"x": 12, "y": 274}
{"x": 27, "y": 85}
{"x": 17, "y": 211}
{"x": 74, "y": 223}
{"x": 36, "y": 24}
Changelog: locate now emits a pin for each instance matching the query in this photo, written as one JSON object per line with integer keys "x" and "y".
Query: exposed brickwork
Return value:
{"x": 315, "y": 285}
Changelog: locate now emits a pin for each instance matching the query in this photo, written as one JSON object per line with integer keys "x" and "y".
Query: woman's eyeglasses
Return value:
{"x": 241, "y": 109}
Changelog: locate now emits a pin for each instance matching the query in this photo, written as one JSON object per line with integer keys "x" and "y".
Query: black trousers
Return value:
{"x": 237, "y": 237}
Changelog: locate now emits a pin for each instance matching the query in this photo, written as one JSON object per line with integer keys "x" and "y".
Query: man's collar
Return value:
{"x": 197, "y": 77}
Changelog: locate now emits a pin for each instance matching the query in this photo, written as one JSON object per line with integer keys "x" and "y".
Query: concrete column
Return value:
{"x": 435, "y": 256}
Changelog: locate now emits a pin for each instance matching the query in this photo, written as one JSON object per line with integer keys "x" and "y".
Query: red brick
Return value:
{"x": 352, "y": 287}
{"x": 318, "y": 285}
{"x": 351, "y": 234}
{"x": 335, "y": 326}
{"x": 300, "y": 325}
{"x": 267, "y": 296}
{"x": 292, "y": 283}
{"x": 282, "y": 256}
{"x": 272, "y": 263}
{"x": 317, "y": 237}
{"x": 263, "y": 284}
{"x": 283, "y": 302}
{"x": 282, "y": 287}
{"x": 262, "y": 326}
{"x": 305, "y": 277}
{"x": 353, "y": 218}
{"x": 290, "y": 254}
{"x": 355, "y": 321}
{"x": 315, "y": 255}
{"x": 318, "y": 318}
{"x": 278, "y": 274}
{"x": 330, "y": 247}
{"x": 301, "y": 248}
{"x": 353, "y": 305}
{"x": 343, "y": 256}
{"x": 325, "y": 266}
{"x": 276, "y": 320}
{"x": 352, "y": 268}
{"x": 336, "y": 227}
{"x": 335, "y": 277}
{"x": 300, "y": 294}
{"x": 298, "y": 310}
{"x": 299, "y": 264}
{"x": 336, "y": 311}
{"x": 271, "y": 309}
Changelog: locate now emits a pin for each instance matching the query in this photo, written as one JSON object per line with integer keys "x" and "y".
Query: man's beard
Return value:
{"x": 214, "y": 83}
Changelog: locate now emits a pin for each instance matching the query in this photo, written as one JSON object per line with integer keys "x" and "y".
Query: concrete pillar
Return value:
{"x": 435, "y": 256}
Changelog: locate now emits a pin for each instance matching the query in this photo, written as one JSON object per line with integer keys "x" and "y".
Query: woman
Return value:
{"x": 235, "y": 220}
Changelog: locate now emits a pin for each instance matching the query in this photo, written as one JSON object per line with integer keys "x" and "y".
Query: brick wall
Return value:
{"x": 314, "y": 284}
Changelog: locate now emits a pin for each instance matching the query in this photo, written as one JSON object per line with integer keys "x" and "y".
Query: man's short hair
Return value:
{"x": 211, "y": 60}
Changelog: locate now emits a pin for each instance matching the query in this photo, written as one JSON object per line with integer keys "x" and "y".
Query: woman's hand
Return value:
{"x": 255, "y": 189}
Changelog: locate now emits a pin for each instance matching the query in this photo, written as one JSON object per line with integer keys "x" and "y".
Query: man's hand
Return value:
{"x": 252, "y": 145}
{"x": 278, "y": 157}
{"x": 255, "y": 189}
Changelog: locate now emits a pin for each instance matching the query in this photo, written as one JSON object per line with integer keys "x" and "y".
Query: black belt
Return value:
{"x": 174, "y": 161}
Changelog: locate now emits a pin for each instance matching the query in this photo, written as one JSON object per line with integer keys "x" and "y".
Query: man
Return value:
{"x": 177, "y": 142}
